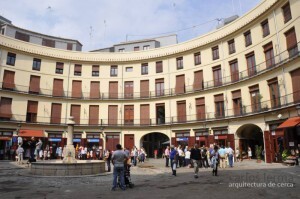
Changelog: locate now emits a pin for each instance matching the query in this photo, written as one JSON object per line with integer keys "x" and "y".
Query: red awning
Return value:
{"x": 31, "y": 133}
{"x": 291, "y": 122}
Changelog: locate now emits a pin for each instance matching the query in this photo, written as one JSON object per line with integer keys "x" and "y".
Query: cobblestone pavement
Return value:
{"x": 247, "y": 179}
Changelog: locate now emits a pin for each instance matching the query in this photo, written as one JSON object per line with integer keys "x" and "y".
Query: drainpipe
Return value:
{"x": 278, "y": 50}
{"x": 67, "y": 101}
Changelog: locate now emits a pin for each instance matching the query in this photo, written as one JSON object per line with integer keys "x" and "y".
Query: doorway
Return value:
{"x": 154, "y": 141}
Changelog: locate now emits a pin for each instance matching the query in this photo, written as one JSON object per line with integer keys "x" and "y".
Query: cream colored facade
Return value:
{"x": 267, "y": 9}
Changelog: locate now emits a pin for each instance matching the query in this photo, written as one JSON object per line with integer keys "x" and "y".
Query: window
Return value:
{"x": 160, "y": 113}
{"x": 255, "y": 98}
{"x": 75, "y": 112}
{"x": 113, "y": 90}
{"x": 8, "y": 80}
{"x": 136, "y": 48}
{"x": 146, "y": 47}
{"x": 69, "y": 46}
{"x": 144, "y": 69}
{"x": 59, "y": 68}
{"x": 200, "y": 108}
{"x": 180, "y": 84}
{"x": 274, "y": 92}
{"x": 55, "y": 113}
{"x": 129, "y": 69}
{"x": 32, "y": 108}
{"x": 48, "y": 42}
{"x": 113, "y": 71}
{"x": 179, "y": 63}
{"x": 95, "y": 90}
{"x": 77, "y": 70}
{"x": 181, "y": 111}
{"x": 34, "y": 86}
{"x": 22, "y": 36}
{"x": 291, "y": 42}
{"x": 197, "y": 58}
{"x": 248, "y": 39}
{"x": 295, "y": 75}
{"x": 219, "y": 106}
{"x": 265, "y": 28}
{"x": 198, "y": 80}
{"x": 128, "y": 89}
{"x": 128, "y": 114}
{"x": 237, "y": 102}
{"x": 122, "y": 50}
{"x": 269, "y": 55}
{"x": 287, "y": 15}
{"x": 144, "y": 114}
{"x": 234, "y": 70}
{"x": 144, "y": 88}
{"x": 159, "y": 67}
{"x": 5, "y": 108}
{"x": 36, "y": 64}
{"x": 11, "y": 59}
{"x": 112, "y": 114}
{"x": 217, "y": 75}
{"x": 215, "y": 52}
{"x": 2, "y": 31}
{"x": 95, "y": 70}
{"x": 251, "y": 65}
{"x": 159, "y": 87}
{"x": 76, "y": 89}
{"x": 231, "y": 46}
{"x": 94, "y": 115}
{"x": 58, "y": 88}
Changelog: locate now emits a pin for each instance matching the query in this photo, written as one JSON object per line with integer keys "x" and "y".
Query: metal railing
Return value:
{"x": 244, "y": 110}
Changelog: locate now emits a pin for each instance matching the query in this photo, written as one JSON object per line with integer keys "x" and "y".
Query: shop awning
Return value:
{"x": 5, "y": 138}
{"x": 291, "y": 122}
{"x": 31, "y": 133}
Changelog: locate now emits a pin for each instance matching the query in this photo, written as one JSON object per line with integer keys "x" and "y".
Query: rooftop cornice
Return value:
{"x": 180, "y": 48}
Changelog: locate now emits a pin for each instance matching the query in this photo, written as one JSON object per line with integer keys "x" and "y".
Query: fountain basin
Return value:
{"x": 59, "y": 168}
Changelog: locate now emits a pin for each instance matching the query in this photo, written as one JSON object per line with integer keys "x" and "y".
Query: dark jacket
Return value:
{"x": 195, "y": 154}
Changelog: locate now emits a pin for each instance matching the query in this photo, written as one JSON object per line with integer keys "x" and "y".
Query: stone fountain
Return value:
{"x": 69, "y": 166}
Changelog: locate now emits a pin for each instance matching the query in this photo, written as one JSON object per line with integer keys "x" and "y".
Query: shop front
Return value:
{"x": 222, "y": 138}
{"x": 93, "y": 141}
{"x": 183, "y": 138}
{"x": 112, "y": 139}
{"x": 5, "y": 144}
{"x": 201, "y": 137}
{"x": 26, "y": 135}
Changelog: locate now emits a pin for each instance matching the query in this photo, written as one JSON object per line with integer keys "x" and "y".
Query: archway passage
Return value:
{"x": 154, "y": 141}
{"x": 249, "y": 135}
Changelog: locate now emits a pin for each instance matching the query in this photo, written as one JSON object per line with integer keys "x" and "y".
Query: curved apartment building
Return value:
{"x": 238, "y": 86}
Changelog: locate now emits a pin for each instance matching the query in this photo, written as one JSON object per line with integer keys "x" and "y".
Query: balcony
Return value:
{"x": 246, "y": 110}
{"x": 260, "y": 68}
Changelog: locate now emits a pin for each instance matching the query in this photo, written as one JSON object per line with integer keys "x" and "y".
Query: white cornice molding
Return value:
{"x": 198, "y": 42}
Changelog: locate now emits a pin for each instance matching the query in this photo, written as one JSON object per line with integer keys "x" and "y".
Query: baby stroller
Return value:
{"x": 127, "y": 177}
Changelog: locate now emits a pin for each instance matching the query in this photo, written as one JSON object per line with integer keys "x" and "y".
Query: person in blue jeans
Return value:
{"x": 118, "y": 158}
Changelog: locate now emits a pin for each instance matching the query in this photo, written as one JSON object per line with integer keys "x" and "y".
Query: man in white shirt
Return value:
{"x": 230, "y": 153}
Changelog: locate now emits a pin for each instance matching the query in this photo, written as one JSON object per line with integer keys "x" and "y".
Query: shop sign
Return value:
{"x": 291, "y": 143}
{"x": 182, "y": 139}
{"x": 76, "y": 140}
{"x": 92, "y": 140}
{"x": 55, "y": 139}
{"x": 7, "y": 133}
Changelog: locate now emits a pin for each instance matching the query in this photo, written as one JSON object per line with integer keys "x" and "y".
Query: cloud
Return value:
{"x": 111, "y": 20}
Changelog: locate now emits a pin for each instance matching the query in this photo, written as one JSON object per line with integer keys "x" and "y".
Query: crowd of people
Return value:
{"x": 199, "y": 157}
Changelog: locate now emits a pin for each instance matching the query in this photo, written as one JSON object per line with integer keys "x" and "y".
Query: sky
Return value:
{"x": 103, "y": 23}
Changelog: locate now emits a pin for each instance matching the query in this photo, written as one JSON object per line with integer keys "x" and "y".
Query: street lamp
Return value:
{"x": 298, "y": 109}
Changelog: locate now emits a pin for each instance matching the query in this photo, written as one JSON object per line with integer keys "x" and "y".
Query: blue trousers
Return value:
{"x": 119, "y": 171}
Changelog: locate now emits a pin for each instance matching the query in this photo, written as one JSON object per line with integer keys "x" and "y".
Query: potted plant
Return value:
{"x": 258, "y": 150}
{"x": 285, "y": 154}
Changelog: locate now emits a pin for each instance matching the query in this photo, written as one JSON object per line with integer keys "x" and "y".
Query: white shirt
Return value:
{"x": 187, "y": 155}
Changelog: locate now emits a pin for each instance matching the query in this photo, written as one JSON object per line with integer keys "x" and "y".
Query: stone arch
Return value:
{"x": 154, "y": 141}
{"x": 249, "y": 135}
